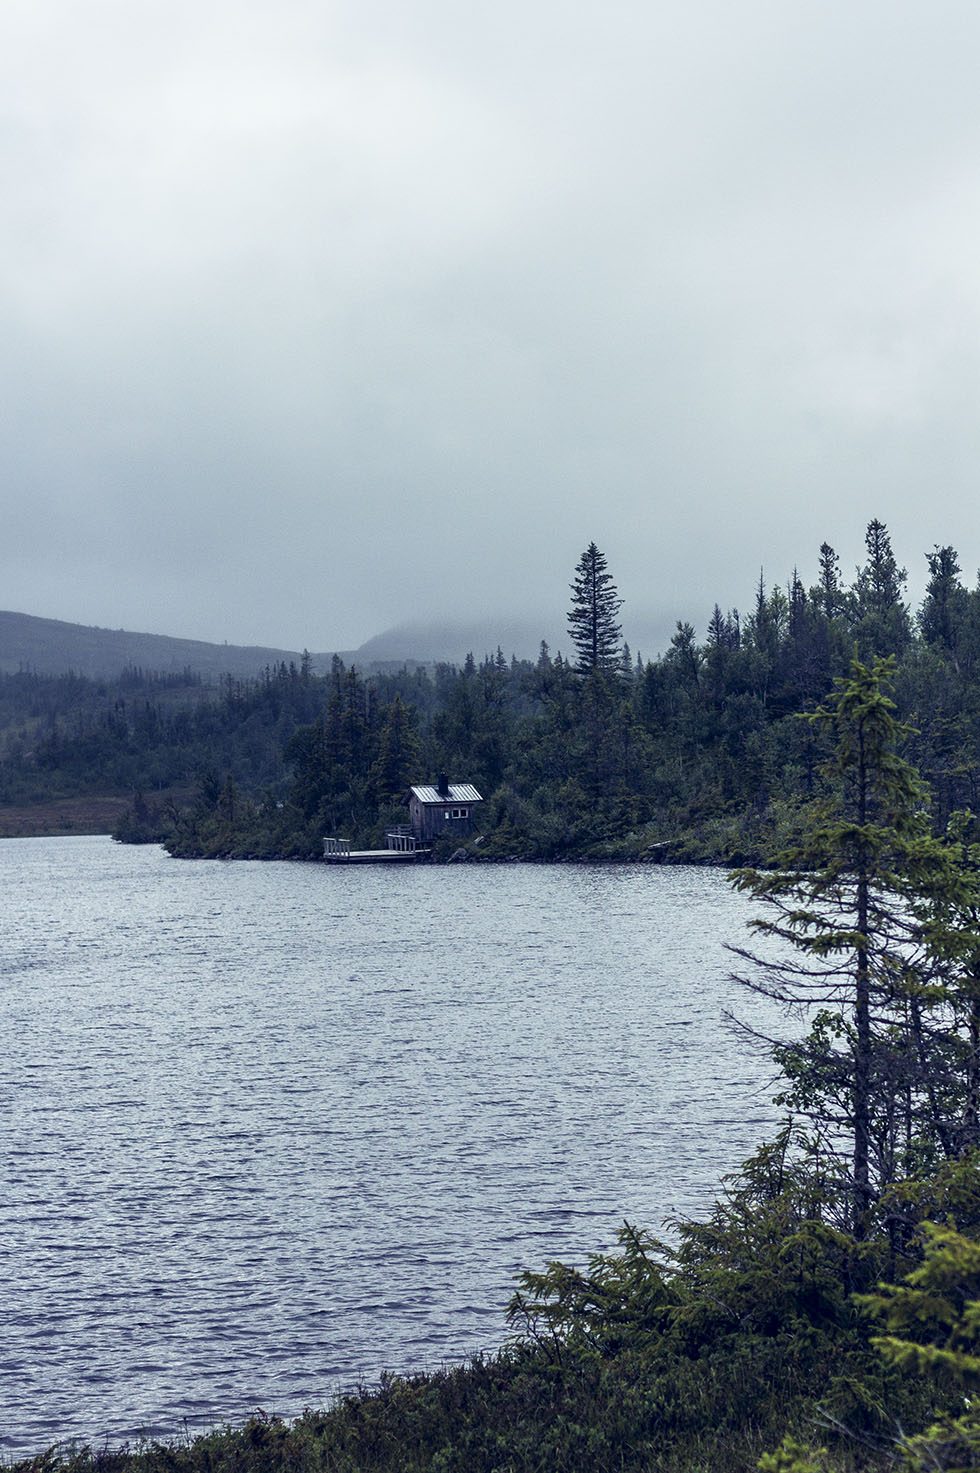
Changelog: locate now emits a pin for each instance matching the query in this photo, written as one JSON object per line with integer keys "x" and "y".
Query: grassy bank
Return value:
{"x": 96, "y": 814}
{"x": 93, "y": 813}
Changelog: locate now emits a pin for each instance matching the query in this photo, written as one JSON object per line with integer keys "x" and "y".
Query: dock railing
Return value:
{"x": 402, "y": 839}
{"x": 335, "y": 847}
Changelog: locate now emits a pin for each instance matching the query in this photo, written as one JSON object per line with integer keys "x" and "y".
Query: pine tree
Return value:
{"x": 874, "y": 909}
{"x": 592, "y": 619}
{"x": 944, "y": 608}
{"x": 883, "y": 626}
{"x": 881, "y": 578}
{"x": 399, "y": 753}
{"x": 931, "y": 1324}
{"x": 828, "y": 592}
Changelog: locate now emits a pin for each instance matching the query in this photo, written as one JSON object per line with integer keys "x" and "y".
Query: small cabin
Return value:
{"x": 447, "y": 808}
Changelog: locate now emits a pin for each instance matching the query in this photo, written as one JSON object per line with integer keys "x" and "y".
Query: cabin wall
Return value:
{"x": 429, "y": 820}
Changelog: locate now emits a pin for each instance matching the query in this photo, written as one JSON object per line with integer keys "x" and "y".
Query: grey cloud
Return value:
{"x": 315, "y": 318}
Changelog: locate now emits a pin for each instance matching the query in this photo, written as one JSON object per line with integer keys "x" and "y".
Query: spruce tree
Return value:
{"x": 828, "y": 593}
{"x": 593, "y": 617}
{"x": 943, "y": 610}
{"x": 883, "y": 626}
{"x": 399, "y": 752}
{"x": 873, "y": 910}
{"x": 931, "y": 1329}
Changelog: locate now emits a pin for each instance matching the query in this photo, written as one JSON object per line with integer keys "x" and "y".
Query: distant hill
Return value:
{"x": 51, "y": 647}
{"x": 434, "y": 640}
{"x": 445, "y": 640}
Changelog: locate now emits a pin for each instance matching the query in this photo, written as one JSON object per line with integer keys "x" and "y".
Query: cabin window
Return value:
{"x": 457, "y": 813}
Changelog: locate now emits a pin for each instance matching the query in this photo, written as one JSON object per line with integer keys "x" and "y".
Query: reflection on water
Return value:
{"x": 271, "y": 1128}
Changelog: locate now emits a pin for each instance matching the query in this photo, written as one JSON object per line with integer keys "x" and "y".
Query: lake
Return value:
{"x": 269, "y": 1129}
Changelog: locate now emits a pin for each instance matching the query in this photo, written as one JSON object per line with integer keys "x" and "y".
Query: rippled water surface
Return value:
{"x": 267, "y": 1129}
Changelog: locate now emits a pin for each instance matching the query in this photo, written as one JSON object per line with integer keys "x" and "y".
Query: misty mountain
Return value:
{"x": 53, "y": 646}
{"x": 431, "y": 641}
{"x": 428, "y": 641}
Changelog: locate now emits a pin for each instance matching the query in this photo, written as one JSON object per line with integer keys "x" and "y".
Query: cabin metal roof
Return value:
{"x": 458, "y": 793}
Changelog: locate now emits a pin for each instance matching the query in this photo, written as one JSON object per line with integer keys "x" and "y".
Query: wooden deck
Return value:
{"x": 402, "y": 847}
{"x": 377, "y": 856}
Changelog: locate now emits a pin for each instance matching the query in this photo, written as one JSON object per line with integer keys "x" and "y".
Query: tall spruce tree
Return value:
{"x": 828, "y": 593}
{"x": 398, "y": 751}
{"x": 883, "y": 626}
{"x": 593, "y": 624}
{"x": 873, "y": 910}
{"x": 943, "y": 611}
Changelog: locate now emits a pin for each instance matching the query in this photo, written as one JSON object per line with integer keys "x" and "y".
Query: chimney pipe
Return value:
{"x": 442, "y": 786}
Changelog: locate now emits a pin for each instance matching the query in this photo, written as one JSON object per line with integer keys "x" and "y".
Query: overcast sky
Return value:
{"x": 317, "y": 315}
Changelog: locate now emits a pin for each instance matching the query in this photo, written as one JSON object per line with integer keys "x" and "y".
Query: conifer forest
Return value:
{"x": 699, "y": 755}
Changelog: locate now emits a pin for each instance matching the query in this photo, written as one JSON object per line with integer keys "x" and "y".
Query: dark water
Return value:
{"x": 267, "y": 1129}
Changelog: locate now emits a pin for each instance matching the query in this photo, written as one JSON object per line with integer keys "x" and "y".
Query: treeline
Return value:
{"x": 697, "y": 755}
{"x": 67, "y": 736}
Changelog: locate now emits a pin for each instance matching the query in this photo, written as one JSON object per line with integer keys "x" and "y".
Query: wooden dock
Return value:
{"x": 402, "y": 848}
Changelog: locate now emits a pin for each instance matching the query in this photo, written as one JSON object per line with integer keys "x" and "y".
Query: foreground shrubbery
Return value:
{"x": 764, "y": 1322}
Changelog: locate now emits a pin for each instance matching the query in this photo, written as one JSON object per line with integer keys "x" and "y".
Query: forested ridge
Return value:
{"x": 699, "y": 754}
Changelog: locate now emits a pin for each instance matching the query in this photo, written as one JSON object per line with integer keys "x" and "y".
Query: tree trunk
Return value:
{"x": 971, "y": 1115}
{"x": 862, "y": 1015}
